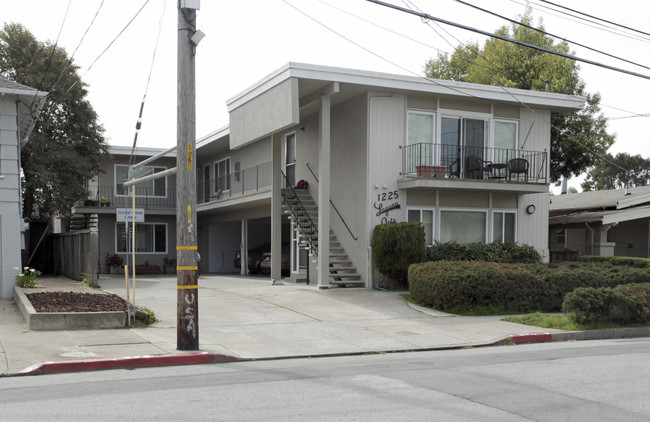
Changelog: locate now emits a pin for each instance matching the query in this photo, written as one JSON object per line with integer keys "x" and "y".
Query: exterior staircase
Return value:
{"x": 82, "y": 222}
{"x": 302, "y": 208}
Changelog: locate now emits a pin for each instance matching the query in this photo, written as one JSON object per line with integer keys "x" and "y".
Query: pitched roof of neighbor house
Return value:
{"x": 603, "y": 199}
{"x": 30, "y": 101}
{"x": 601, "y": 207}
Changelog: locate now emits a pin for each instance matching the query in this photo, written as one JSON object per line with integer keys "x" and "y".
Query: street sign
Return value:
{"x": 123, "y": 215}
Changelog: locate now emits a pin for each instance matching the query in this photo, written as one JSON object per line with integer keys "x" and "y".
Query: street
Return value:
{"x": 589, "y": 380}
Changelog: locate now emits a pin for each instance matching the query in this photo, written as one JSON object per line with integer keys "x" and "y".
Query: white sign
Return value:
{"x": 126, "y": 215}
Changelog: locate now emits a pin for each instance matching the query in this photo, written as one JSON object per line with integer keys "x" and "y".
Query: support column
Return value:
{"x": 243, "y": 247}
{"x": 324, "y": 194}
{"x": 276, "y": 211}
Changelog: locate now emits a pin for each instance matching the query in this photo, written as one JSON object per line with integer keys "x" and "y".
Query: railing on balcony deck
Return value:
{"x": 145, "y": 197}
{"x": 237, "y": 183}
{"x": 497, "y": 164}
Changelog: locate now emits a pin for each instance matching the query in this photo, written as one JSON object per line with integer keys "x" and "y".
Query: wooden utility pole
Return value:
{"x": 187, "y": 331}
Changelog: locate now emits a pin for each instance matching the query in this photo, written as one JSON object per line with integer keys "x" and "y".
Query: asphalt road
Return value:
{"x": 590, "y": 381}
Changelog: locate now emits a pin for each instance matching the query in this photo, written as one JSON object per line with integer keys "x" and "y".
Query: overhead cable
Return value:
{"x": 492, "y": 35}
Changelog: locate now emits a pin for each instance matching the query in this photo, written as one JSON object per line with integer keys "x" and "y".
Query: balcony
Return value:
{"x": 444, "y": 166}
{"x": 106, "y": 198}
{"x": 236, "y": 184}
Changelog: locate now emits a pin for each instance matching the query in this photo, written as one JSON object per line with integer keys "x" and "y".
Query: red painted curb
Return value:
{"x": 532, "y": 338}
{"x": 125, "y": 362}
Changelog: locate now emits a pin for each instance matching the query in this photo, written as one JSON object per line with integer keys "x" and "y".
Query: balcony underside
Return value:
{"x": 471, "y": 185}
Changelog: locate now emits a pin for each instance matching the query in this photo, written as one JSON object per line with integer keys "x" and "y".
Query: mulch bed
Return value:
{"x": 76, "y": 302}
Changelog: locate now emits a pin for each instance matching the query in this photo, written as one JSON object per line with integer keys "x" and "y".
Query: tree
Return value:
{"x": 577, "y": 138}
{"x": 67, "y": 145}
{"x": 617, "y": 172}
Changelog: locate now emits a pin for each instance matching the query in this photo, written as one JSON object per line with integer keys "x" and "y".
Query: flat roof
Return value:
{"x": 414, "y": 84}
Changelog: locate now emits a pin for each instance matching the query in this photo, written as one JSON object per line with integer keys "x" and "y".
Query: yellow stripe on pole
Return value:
{"x": 186, "y": 248}
{"x": 195, "y": 268}
{"x": 193, "y": 286}
{"x": 189, "y": 214}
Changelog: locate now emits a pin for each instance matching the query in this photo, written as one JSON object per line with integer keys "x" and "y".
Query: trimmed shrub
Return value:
{"x": 624, "y": 304}
{"x": 507, "y": 252}
{"x": 618, "y": 260}
{"x": 521, "y": 287}
{"x": 396, "y": 246}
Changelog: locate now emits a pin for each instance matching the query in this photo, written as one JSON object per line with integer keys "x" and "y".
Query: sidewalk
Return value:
{"x": 248, "y": 318}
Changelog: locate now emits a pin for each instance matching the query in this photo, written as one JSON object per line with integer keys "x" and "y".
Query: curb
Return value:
{"x": 125, "y": 363}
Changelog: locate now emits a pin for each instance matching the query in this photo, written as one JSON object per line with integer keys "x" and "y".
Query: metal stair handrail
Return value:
{"x": 314, "y": 230}
{"x": 334, "y": 206}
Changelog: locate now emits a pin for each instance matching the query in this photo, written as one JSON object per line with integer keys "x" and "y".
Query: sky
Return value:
{"x": 248, "y": 39}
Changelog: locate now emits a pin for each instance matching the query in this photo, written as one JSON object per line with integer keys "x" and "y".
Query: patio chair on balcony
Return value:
{"x": 518, "y": 166}
{"x": 454, "y": 168}
{"x": 476, "y": 167}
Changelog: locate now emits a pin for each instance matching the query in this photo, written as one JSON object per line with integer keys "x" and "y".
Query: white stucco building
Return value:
{"x": 471, "y": 162}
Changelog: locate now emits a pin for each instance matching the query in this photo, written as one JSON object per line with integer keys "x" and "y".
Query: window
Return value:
{"x": 149, "y": 238}
{"x": 463, "y": 226}
{"x": 222, "y": 175}
{"x": 157, "y": 187}
{"x": 425, "y": 217}
{"x": 206, "y": 183}
{"x": 290, "y": 159}
{"x": 505, "y": 141}
{"x": 419, "y": 138}
{"x": 462, "y": 137}
{"x": 504, "y": 227}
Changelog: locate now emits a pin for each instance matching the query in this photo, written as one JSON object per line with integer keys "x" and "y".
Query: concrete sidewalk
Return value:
{"x": 251, "y": 319}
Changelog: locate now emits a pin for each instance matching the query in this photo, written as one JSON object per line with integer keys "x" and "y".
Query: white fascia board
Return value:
{"x": 632, "y": 200}
{"x": 213, "y": 137}
{"x": 408, "y": 83}
{"x": 626, "y": 215}
{"x": 148, "y": 152}
{"x": 30, "y": 93}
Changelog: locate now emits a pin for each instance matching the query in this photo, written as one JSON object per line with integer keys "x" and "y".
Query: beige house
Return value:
{"x": 470, "y": 162}
{"x": 607, "y": 223}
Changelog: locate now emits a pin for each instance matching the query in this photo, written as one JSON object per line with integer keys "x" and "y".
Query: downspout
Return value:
{"x": 592, "y": 237}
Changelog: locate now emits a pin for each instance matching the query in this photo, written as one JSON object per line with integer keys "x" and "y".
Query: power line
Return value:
{"x": 595, "y": 17}
{"x": 111, "y": 43}
{"x": 549, "y": 34}
{"x": 492, "y": 35}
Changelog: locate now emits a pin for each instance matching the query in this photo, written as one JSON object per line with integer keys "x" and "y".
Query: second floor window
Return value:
{"x": 157, "y": 187}
{"x": 222, "y": 175}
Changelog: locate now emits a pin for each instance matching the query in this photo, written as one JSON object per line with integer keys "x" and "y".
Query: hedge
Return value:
{"x": 520, "y": 287}
{"x": 507, "y": 252}
{"x": 623, "y": 304}
{"x": 617, "y": 260}
{"x": 396, "y": 246}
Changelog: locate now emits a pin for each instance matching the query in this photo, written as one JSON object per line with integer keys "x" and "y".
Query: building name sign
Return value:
{"x": 126, "y": 215}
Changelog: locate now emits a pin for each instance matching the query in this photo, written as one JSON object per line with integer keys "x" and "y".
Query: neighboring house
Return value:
{"x": 19, "y": 108}
{"x": 155, "y": 201}
{"x": 608, "y": 223}
{"x": 470, "y": 162}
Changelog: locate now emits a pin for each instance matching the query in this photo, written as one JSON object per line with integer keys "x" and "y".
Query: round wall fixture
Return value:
{"x": 530, "y": 209}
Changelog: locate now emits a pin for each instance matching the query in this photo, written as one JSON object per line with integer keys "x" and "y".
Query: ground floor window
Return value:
{"x": 149, "y": 238}
{"x": 463, "y": 226}
{"x": 504, "y": 226}
{"x": 425, "y": 217}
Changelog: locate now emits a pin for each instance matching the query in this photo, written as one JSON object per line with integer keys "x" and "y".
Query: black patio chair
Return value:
{"x": 518, "y": 166}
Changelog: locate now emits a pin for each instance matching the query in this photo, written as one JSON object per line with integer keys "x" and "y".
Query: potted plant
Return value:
{"x": 104, "y": 202}
{"x": 114, "y": 263}
{"x": 424, "y": 171}
{"x": 170, "y": 265}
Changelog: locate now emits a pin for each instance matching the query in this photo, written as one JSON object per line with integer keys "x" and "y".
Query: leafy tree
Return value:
{"x": 67, "y": 145}
{"x": 513, "y": 66}
{"x": 616, "y": 172}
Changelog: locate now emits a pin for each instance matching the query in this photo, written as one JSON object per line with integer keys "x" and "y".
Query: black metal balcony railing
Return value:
{"x": 237, "y": 183}
{"x": 497, "y": 164}
{"x": 145, "y": 197}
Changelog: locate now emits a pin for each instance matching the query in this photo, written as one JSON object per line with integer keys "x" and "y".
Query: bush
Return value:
{"x": 520, "y": 287}
{"x": 27, "y": 278}
{"x": 507, "y": 252}
{"x": 618, "y": 260}
{"x": 396, "y": 246}
{"x": 623, "y": 304}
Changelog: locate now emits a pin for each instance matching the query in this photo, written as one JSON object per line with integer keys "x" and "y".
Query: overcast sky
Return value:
{"x": 248, "y": 39}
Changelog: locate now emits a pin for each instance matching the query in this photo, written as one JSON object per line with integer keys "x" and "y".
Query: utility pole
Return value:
{"x": 187, "y": 326}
